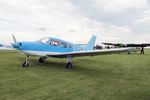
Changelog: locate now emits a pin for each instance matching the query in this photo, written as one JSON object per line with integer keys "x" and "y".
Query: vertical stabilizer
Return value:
{"x": 90, "y": 44}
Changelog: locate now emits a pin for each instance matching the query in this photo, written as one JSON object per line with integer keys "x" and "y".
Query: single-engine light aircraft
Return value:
{"x": 54, "y": 47}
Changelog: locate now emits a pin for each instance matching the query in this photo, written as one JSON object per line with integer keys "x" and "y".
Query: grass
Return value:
{"x": 106, "y": 77}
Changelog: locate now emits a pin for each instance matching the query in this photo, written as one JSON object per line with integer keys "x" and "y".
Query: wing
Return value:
{"x": 88, "y": 53}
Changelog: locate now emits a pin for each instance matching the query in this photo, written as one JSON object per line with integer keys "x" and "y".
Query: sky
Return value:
{"x": 125, "y": 21}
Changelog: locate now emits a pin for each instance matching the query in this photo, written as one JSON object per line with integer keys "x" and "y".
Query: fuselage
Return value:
{"x": 45, "y": 46}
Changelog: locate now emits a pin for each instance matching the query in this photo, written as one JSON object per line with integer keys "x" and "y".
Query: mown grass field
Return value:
{"x": 106, "y": 77}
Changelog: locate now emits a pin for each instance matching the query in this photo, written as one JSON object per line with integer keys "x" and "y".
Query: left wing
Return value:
{"x": 89, "y": 53}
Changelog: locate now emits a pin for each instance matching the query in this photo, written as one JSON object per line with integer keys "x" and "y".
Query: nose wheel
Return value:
{"x": 69, "y": 63}
{"x": 26, "y": 62}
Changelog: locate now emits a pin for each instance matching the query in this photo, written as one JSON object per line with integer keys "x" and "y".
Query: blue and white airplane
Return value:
{"x": 54, "y": 47}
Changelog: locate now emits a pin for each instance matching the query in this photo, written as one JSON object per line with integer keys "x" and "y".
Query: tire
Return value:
{"x": 41, "y": 60}
{"x": 25, "y": 64}
{"x": 69, "y": 65}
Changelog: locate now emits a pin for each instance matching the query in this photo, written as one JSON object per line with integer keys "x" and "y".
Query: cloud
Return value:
{"x": 118, "y": 12}
{"x": 141, "y": 25}
{"x": 75, "y": 21}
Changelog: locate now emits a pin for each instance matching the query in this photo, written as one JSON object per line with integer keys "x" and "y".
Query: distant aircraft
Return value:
{"x": 54, "y": 47}
{"x": 120, "y": 45}
{"x": 139, "y": 45}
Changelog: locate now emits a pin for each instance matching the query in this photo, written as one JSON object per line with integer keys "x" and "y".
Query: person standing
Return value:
{"x": 142, "y": 50}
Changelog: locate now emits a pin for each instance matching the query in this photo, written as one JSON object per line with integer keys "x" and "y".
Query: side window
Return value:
{"x": 63, "y": 44}
{"x": 70, "y": 46}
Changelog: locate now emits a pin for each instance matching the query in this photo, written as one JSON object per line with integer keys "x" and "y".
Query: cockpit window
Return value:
{"x": 45, "y": 40}
{"x": 54, "y": 43}
{"x": 63, "y": 44}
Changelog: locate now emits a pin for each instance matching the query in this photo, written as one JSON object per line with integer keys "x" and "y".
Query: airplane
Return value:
{"x": 139, "y": 45}
{"x": 54, "y": 47}
{"x": 120, "y": 45}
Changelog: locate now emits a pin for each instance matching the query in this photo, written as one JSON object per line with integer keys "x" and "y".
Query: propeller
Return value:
{"x": 14, "y": 38}
{"x": 16, "y": 44}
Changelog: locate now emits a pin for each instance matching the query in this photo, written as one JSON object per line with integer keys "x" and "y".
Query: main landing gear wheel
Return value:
{"x": 69, "y": 65}
{"x": 42, "y": 60}
{"x": 69, "y": 62}
{"x": 26, "y": 63}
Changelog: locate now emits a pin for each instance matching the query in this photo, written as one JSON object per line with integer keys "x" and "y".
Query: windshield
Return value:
{"x": 45, "y": 40}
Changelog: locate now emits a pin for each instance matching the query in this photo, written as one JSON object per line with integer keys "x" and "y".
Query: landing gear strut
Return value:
{"x": 42, "y": 60}
{"x": 69, "y": 62}
{"x": 26, "y": 63}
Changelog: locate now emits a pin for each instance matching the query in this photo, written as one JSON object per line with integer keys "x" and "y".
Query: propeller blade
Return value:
{"x": 14, "y": 38}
